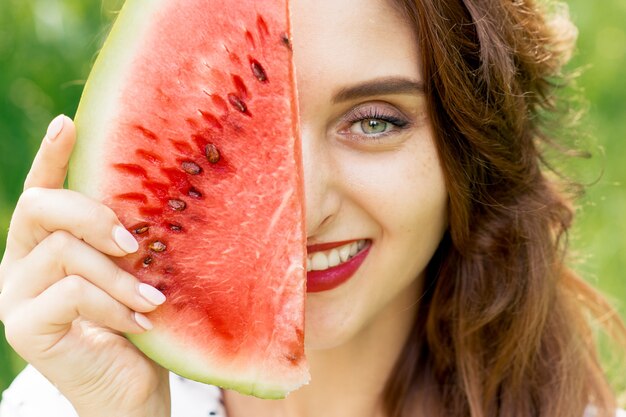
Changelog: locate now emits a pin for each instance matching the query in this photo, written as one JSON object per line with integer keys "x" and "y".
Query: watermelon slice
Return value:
{"x": 187, "y": 128}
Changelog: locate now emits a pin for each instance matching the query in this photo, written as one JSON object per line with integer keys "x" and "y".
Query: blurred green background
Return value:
{"x": 48, "y": 46}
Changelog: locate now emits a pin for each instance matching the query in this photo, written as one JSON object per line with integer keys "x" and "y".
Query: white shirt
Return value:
{"x": 32, "y": 395}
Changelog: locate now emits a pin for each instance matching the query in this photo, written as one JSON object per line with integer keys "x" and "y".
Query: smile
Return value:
{"x": 331, "y": 264}
{"x": 322, "y": 260}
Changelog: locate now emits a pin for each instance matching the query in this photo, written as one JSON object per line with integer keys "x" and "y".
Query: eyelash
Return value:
{"x": 372, "y": 113}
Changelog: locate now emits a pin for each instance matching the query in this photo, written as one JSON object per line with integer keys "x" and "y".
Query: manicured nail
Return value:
{"x": 151, "y": 294}
{"x": 55, "y": 127}
{"x": 125, "y": 240}
{"x": 143, "y": 321}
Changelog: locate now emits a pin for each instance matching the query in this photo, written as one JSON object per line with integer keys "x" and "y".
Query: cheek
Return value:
{"x": 404, "y": 196}
{"x": 399, "y": 199}
{"x": 402, "y": 190}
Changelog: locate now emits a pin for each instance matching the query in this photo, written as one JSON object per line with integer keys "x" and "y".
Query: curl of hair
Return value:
{"x": 502, "y": 327}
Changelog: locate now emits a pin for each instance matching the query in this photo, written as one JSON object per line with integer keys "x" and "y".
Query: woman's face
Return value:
{"x": 371, "y": 169}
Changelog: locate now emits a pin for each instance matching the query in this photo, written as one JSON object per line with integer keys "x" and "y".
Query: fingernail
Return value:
{"x": 125, "y": 240}
{"x": 143, "y": 321}
{"x": 55, "y": 127}
{"x": 151, "y": 294}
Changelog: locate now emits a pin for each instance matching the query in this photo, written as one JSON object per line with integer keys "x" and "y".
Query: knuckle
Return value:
{"x": 73, "y": 287}
{"x": 14, "y": 329}
{"x": 29, "y": 201}
{"x": 10, "y": 278}
{"x": 4, "y": 278}
{"x": 10, "y": 335}
{"x": 60, "y": 241}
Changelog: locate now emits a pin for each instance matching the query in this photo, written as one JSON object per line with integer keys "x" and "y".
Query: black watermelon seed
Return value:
{"x": 175, "y": 227}
{"x": 212, "y": 153}
{"x": 237, "y": 103}
{"x": 284, "y": 38}
{"x": 258, "y": 71}
{"x": 147, "y": 260}
{"x": 157, "y": 246}
{"x": 177, "y": 205}
{"x": 191, "y": 168}
{"x": 194, "y": 193}
{"x": 141, "y": 230}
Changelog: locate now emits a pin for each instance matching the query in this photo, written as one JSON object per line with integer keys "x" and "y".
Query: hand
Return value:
{"x": 65, "y": 303}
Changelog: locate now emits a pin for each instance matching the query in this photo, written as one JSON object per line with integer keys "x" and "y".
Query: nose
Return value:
{"x": 320, "y": 182}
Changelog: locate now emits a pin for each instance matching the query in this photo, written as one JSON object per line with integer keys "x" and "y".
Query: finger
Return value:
{"x": 41, "y": 211}
{"x": 60, "y": 255}
{"x": 90, "y": 303}
{"x": 47, "y": 318}
{"x": 49, "y": 168}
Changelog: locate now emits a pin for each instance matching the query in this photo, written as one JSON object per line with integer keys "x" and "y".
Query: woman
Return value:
{"x": 423, "y": 139}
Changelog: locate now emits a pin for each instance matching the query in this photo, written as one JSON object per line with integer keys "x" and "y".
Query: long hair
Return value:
{"x": 502, "y": 329}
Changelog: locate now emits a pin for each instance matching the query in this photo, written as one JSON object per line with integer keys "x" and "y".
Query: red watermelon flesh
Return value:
{"x": 188, "y": 129}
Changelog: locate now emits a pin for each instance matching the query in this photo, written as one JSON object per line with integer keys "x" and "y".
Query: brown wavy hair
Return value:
{"x": 502, "y": 328}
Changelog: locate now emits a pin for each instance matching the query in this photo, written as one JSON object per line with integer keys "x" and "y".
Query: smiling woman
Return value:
{"x": 435, "y": 236}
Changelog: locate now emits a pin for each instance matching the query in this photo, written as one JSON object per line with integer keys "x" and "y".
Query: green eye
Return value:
{"x": 373, "y": 126}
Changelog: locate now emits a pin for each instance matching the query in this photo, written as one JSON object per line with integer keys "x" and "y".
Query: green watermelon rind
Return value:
{"x": 177, "y": 361}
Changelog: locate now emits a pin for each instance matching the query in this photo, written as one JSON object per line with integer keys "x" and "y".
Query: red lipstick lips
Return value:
{"x": 332, "y": 277}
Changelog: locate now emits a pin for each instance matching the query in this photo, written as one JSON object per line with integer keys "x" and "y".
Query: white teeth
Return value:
{"x": 333, "y": 258}
{"x": 320, "y": 261}
{"x": 344, "y": 253}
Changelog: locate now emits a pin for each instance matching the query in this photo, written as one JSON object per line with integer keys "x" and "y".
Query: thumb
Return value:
{"x": 49, "y": 168}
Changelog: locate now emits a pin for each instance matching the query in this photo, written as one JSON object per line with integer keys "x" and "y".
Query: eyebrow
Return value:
{"x": 381, "y": 86}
